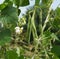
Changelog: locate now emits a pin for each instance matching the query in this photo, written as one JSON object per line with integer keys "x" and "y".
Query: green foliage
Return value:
{"x": 56, "y": 20}
{"x": 37, "y": 2}
{"x": 9, "y": 19}
{"x": 6, "y": 3}
{"x": 11, "y": 54}
{"x": 21, "y": 2}
{"x": 55, "y": 50}
{"x": 40, "y": 28}
{"x": 21, "y": 57}
{"x": 2, "y": 6}
{"x": 46, "y": 3}
{"x": 5, "y": 36}
{"x": 31, "y": 27}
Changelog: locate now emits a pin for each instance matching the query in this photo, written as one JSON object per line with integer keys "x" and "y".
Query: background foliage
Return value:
{"x": 34, "y": 36}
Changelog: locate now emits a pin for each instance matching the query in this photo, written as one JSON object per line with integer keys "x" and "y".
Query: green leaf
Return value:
{"x": 21, "y": 2}
{"x": 9, "y": 17}
{"x": 46, "y": 2}
{"x": 56, "y": 57}
{"x": 46, "y": 38}
{"x": 37, "y": 57}
{"x": 11, "y": 54}
{"x": 47, "y": 33}
{"x": 2, "y": 6}
{"x": 53, "y": 36}
{"x": 56, "y": 23}
{"x": 5, "y": 36}
{"x": 21, "y": 57}
{"x": 56, "y": 50}
{"x": 37, "y": 2}
{"x": 5, "y": 4}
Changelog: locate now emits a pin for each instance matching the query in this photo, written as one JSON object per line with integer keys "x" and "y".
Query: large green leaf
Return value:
{"x": 11, "y": 54}
{"x": 5, "y": 36}
{"x": 2, "y": 6}
{"x": 5, "y": 4}
{"x": 9, "y": 17}
{"x": 56, "y": 50}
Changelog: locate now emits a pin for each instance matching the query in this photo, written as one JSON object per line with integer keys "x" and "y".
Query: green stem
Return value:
{"x": 29, "y": 29}
{"x": 34, "y": 31}
{"x": 47, "y": 19}
{"x": 40, "y": 25}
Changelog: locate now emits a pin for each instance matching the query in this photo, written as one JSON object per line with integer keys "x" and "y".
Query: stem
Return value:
{"x": 47, "y": 19}
{"x": 40, "y": 25}
{"x": 29, "y": 29}
{"x": 34, "y": 31}
{"x": 0, "y": 12}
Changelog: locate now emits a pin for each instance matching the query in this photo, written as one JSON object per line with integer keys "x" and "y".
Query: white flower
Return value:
{"x": 17, "y": 30}
{"x": 2, "y": 1}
